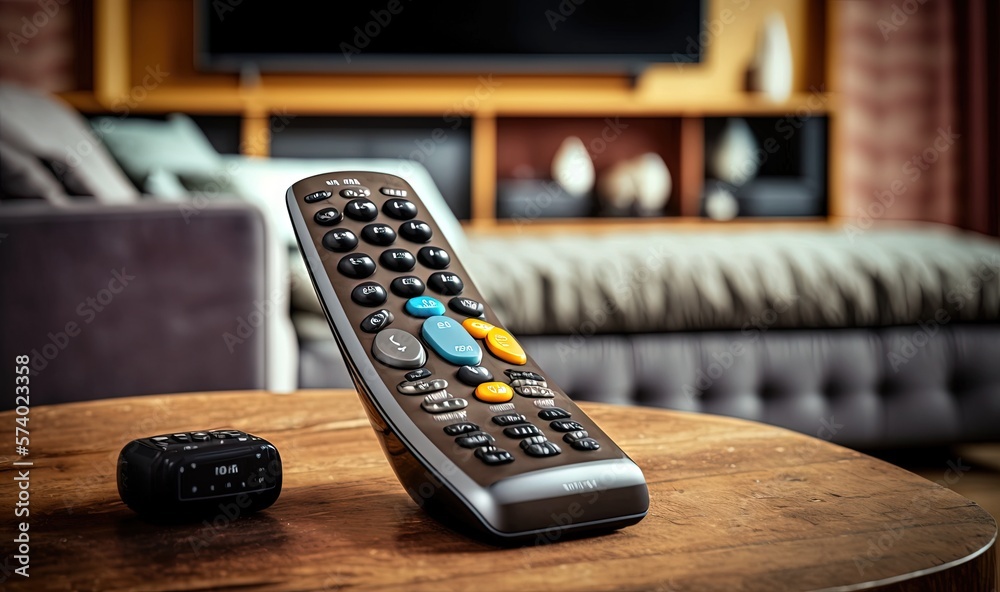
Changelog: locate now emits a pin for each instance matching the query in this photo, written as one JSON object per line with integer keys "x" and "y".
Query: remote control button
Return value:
{"x": 328, "y": 216}
{"x": 418, "y": 374}
{"x": 407, "y": 286}
{"x": 525, "y": 382}
{"x": 434, "y": 257}
{"x": 561, "y": 425}
{"x": 518, "y": 374}
{"x": 200, "y": 436}
{"x": 355, "y": 192}
{"x": 492, "y": 455}
{"x": 220, "y": 435}
{"x": 181, "y": 438}
{"x": 531, "y": 440}
{"x": 553, "y": 413}
{"x": 522, "y": 431}
{"x": 420, "y": 387}
{"x": 450, "y": 341}
{"x": 477, "y": 328}
{"x": 340, "y": 241}
{"x": 424, "y": 307}
{"x": 508, "y": 419}
{"x": 535, "y": 392}
{"x": 398, "y": 349}
{"x": 399, "y": 209}
{"x": 368, "y": 294}
{"x": 397, "y": 260}
{"x": 474, "y": 375}
{"x": 466, "y": 306}
{"x": 444, "y": 405}
{"x": 362, "y": 210}
{"x": 379, "y": 234}
{"x": 586, "y": 444}
{"x": 417, "y": 231}
{"x": 474, "y": 440}
{"x": 317, "y": 196}
{"x": 503, "y": 345}
{"x": 570, "y": 437}
{"x": 446, "y": 283}
{"x": 457, "y": 429}
{"x": 542, "y": 450}
{"x": 494, "y": 392}
{"x": 393, "y": 192}
{"x": 377, "y": 321}
{"x": 358, "y": 266}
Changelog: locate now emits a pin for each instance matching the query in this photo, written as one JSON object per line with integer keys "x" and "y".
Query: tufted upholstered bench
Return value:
{"x": 884, "y": 338}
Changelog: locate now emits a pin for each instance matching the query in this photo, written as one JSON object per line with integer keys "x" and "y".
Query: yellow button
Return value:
{"x": 477, "y": 328}
{"x": 494, "y": 392}
{"x": 503, "y": 345}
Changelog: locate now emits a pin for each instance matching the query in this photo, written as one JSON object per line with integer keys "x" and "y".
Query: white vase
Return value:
{"x": 572, "y": 167}
{"x": 734, "y": 159}
{"x": 721, "y": 205}
{"x": 771, "y": 68}
{"x": 642, "y": 184}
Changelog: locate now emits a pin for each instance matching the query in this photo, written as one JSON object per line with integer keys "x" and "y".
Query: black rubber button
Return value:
{"x": 522, "y": 431}
{"x": 474, "y": 440}
{"x": 570, "y": 437}
{"x": 355, "y": 192}
{"x": 340, "y": 241}
{"x": 492, "y": 455}
{"x": 417, "y": 375}
{"x": 457, "y": 429}
{"x": 444, "y": 405}
{"x": 400, "y": 209}
{"x": 565, "y": 426}
{"x": 553, "y": 413}
{"x": 379, "y": 234}
{"x": 357, "y": 266}
{"x": 374, "y": 322}
{"x": 509, "y": 419}
{"x": 466, "y": 306}
{"x": 407, "y": 286}
{"x": 317, "y": 196}
{"x": 542, "y": 450}
{"x": 446, "y": 283}
{"x": 417, "y": 231}
{"x": 474, "y": 375}
{"x": 362, "y": 210}
{"x": 397, "y": 260}
{"x": 586, "y": 444}
{"x": 369, "y": 294}
{"x": 328, "y": 216}
{"x": 434, "y": 257}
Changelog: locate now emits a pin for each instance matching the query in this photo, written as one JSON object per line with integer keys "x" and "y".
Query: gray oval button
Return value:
{"x": 399, "y": 349}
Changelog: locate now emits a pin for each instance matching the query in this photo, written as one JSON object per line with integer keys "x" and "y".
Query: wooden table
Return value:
{"x": 735, "y": 505}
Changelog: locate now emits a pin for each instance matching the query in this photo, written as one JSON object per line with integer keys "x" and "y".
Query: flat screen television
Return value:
{"x": 527, "y": 36}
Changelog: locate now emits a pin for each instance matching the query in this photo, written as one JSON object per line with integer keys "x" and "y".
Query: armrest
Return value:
{"x": 130, "y": 300}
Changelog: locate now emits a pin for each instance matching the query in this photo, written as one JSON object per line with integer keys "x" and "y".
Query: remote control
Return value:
{"x": 474, "y": 430}
{"x": 192, "y": 475}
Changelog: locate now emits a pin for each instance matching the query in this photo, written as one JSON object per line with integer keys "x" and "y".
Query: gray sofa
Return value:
{"x": 886, "y": 338}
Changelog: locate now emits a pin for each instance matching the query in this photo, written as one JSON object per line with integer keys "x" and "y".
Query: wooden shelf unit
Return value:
{"x": 134, "y": 36}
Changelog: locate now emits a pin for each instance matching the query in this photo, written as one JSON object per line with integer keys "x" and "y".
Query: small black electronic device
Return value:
{"x": 477, "y": 433}
{"x": 193, "y": 474}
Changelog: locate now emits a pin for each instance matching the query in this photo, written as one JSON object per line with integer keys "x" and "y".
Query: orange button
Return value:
{"x": 477, "y": 328}
{"x": 503, "y": 345}
{"x": 494, "y": 392}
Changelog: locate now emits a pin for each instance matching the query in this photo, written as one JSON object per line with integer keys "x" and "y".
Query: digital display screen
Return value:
{"x": 349, "y": 35}
{"x": 244, "y": 473}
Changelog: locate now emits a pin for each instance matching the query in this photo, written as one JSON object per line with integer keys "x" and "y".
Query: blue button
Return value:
{"x": 451, "y": 341}
{"x": 424, "y": 306}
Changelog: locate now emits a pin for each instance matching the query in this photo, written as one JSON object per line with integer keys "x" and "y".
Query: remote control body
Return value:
{"x": 474, "y": 431}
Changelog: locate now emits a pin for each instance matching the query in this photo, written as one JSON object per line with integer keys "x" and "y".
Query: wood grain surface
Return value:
{"x": 735, "y": 505}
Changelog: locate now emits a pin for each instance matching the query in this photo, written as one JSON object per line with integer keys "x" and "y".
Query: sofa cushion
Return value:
{"x": 649, "y": 281}
{"x": 143, "y": 146}
{"x": 44, "y": 127}
{"x": 22, "y": 176}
